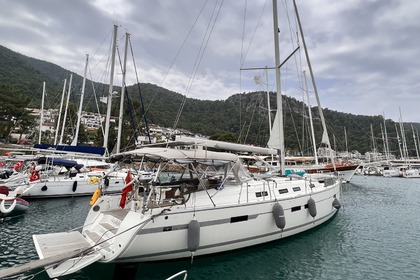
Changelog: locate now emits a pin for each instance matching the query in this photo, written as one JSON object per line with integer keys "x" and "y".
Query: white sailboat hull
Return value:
{"x": 223, "y": 227}
{"x": 217, "y": 234}
{"x": 161, "y": 233}
{"x": 83, "y": 184}
{"x": 344, "y": 173}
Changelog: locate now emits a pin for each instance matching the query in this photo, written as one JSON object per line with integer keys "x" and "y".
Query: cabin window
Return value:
{"x": 281, "y": 191}
{"x": 296, "y": 189}
{"x": 238, "y": 219}
{"x": 260, "y": 194}
{"x": 296, "y": 208}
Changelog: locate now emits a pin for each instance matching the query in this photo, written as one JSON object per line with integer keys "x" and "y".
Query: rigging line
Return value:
{"x": 241, "y": 131}
{"x": 240, "y": 72}
{"x": 133, "y": 127}
{"x": 125, "y": 93}
{"x": 292, "y": 31}
{"x": 176, "y": 56}
{"x": 33, "y": 97}
{"x": 194, "y": 70}
{"x": 97, "y": 104}
{"x": 141, "y": 96}
{"x": 243, "y": 36}
{"x": 244, "y": 55}
{"x": 111, "y": 30}
{"x": 253, "y": 35}
{"x": 250, "y": 123}
{"x": 106, "y": 55}
{"x": 200, "y": 56}
{"x": 294, "y": 125}
{"x": 86, "y": 251}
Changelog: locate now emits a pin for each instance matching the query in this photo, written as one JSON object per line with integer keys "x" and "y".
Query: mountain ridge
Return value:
{"x": 239, "y": 118}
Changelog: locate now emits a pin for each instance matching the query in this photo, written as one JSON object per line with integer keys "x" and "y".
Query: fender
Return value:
{"x": 95, "y": 196}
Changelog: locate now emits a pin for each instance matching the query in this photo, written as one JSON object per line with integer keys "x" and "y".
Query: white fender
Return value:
{"x": 8, "y": 210}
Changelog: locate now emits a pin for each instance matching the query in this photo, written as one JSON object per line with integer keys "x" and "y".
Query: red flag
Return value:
{"x": 126, "y": 190}
{"x": 18, "y": 165}
{"x": 128, "y": 178}
{"x": 34, "y": 176}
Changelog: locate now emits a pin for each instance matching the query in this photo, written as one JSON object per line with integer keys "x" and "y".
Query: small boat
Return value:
{"x": 10, "y": 205}
{"x": 411, "y": 173}
{"x": 344, "y": 171}
{"x": 67, "y": 178}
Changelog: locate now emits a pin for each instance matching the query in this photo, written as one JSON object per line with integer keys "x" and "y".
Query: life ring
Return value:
{"x": 8, "y": 210}
{"x": 95, "y": 196}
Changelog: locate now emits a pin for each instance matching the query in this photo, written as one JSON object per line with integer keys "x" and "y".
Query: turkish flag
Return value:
{"x": 126, "y": 190}
{"x": 34, "y": 176}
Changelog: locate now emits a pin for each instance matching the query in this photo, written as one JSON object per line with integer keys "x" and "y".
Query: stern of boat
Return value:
{"x": 64, "y": 252}
{"x": 102, "y": 239}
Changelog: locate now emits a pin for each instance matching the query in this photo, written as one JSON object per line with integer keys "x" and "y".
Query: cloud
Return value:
{"x": 363, "y": 53}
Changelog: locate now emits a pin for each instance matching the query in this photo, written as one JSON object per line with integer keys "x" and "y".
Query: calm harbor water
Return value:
{"x": 374, "y": 236}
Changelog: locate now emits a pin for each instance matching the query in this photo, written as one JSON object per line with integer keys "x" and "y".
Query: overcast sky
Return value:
{"x": 365, "y": 53}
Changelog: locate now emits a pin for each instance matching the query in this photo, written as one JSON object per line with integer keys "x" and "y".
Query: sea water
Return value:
{"x": 375, "y": 235}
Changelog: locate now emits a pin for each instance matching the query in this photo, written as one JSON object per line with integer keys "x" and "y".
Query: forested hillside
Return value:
{"x": 241, "y": 118}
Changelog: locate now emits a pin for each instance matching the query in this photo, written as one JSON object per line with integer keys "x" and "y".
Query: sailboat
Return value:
{"x": 74, "y": 174}
{"x": 185, "y": 203}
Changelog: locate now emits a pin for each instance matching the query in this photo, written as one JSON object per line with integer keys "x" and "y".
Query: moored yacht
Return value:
{"x": 196, "y": 203}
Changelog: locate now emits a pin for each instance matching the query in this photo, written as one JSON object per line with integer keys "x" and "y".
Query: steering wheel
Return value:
{"x": 182, "y": 194}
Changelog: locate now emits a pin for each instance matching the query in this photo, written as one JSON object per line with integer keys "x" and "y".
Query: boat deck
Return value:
{"x": 53, "y": 244}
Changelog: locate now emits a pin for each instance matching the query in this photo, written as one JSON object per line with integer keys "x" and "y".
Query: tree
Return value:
{"x": 13, "y": 114}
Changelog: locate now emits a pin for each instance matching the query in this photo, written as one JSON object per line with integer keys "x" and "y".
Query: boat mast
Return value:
{"x": 110, "y": 93}
{"x": 268, "y": 100}
{"x": 321, "y": 114}
{"x": 383, "y": 140}
{"x": 65, "y": 111}
{"x": 399, "y": 142}
{"x": 79, "y": 115}
{"x": 278, "y": 88}
{"x": 404, "y": 142}
{"x": 345, "y": 139}
{"x": 41, "y": 115}
{"x": 417, "y": 133}
{"x": 310, "y": 118}
{"x": 386, "y": 141}
{"x": 124, "y": 70}
{"x": 415, "y": 141}
{"x": 59, "y": 114}
{"x": 373, "y": 140}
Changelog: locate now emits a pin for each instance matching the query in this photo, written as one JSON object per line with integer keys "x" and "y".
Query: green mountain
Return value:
{"x": 241, "y": 118}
